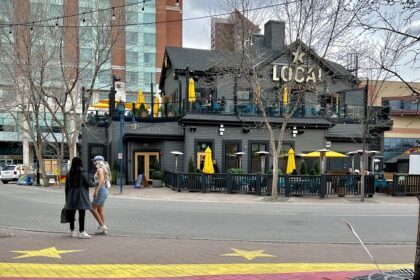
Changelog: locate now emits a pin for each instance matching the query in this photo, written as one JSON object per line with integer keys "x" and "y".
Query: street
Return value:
{"x": 157, "y": 239}
{"x": 38, "y": 209}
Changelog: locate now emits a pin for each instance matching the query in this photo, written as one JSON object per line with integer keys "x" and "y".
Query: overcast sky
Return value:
{"x": 196, "y": 33}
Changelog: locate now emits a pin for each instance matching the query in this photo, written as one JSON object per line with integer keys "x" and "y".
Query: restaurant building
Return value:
{"x": 221, "y": 113}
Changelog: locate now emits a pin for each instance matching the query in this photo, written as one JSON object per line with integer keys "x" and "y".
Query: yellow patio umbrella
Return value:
{"x": 328, "y": 154}
{"x": 191, "y": 90}
{"x": 100, "y": 105}
{"x": 208, "y": 162}
{"x": 291, "y": 163}
{"x": 156, "y": 106}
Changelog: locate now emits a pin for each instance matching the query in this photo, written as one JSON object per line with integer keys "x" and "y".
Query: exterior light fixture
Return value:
{"x": 221, "y": 129}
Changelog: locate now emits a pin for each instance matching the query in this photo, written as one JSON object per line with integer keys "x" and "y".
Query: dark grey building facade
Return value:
{"x": 222, "y": 115}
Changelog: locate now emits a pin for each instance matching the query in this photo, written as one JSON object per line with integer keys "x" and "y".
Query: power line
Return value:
{"x": 142, "y": 23}
{"x": 73, "y": 15}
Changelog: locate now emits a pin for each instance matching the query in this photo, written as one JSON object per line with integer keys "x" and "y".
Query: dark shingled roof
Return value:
{"x": 205, "y": 60}
{"x": 345, "y": 131}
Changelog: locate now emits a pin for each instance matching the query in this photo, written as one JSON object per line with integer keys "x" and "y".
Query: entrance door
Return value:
{"x": 144, "y": 162}
{"x": 200, "y": 160}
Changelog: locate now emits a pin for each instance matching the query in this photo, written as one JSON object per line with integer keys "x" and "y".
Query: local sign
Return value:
{"x": 296, "y": 72}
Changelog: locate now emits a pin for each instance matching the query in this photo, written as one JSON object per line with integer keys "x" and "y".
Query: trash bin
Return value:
{"x": 137, "y": 183}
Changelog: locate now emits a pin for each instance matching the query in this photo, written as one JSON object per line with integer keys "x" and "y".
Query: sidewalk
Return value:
{"x": 167, "y": 194}
{"x": 55, "y": 256}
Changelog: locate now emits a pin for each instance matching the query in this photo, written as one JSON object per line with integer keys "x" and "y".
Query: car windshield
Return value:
{"x": 9, "y": 167}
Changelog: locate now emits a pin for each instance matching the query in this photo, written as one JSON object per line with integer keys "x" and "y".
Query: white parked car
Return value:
{"x": 11, "y": 173}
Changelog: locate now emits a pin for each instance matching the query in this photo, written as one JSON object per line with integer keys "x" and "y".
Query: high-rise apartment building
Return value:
{"x": 139, "y": 30}
{"x": 231, "y": 33}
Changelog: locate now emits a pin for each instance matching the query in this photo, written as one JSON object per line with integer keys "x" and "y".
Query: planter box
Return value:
{"x": 157, "y": 183}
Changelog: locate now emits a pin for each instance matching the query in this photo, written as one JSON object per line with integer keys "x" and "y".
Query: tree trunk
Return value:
{"x": 274, "y": 192}
{"x": 417, "y": 258}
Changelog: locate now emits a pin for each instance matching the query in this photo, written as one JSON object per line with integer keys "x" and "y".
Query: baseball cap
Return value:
{"x": 98, "y": 158}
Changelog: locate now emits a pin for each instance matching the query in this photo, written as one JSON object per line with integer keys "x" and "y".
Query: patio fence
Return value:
{"x": 405, "y": 184}
{"x": 261, "y": 184}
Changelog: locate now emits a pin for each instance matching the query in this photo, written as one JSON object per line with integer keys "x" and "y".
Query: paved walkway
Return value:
{"x": 168, "y": 194}
{"x": 36, "y": 255}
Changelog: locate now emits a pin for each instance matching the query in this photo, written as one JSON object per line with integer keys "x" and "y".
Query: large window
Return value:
{"x": 149, "y": 39}
{"x": 396, "y": 146}
{"x": 258, "y": 161}
{"x": 231, "y": 160}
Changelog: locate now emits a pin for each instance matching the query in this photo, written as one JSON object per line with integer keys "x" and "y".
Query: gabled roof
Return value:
{"x": 336, "y": 68}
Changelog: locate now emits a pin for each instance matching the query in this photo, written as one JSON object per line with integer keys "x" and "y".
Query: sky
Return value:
{"x": 196, "y": 33}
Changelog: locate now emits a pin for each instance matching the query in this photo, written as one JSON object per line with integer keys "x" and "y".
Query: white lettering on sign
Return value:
{"x": 297, "y": 73}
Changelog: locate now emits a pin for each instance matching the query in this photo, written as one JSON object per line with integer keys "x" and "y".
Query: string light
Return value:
{"x": 10, "y": 30}
{"x": 113, "y": 14}
{"x": 142, "y": 8}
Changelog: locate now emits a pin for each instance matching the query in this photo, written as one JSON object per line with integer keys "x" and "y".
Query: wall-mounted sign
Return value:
{"x": 296, "y": 72}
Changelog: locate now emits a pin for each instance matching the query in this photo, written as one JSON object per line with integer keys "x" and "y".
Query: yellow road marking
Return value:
{"x": 249, "y": 255}
{"x": 176, "y": 270}
{"x": 51, "y": 252}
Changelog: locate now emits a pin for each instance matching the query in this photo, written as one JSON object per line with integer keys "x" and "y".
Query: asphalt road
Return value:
{"x": 39, "y": 209}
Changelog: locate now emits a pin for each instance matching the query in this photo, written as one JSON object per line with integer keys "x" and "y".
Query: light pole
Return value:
{"x": 176, "y": 154}
{"x": 121, "y": 110}
{"x": 263, "y": 154}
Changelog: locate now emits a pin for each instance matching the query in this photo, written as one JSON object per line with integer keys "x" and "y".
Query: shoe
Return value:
{"x": 102, "y": 230}
{"x": 74, "y": 234}
{"x": 84, "y": 235}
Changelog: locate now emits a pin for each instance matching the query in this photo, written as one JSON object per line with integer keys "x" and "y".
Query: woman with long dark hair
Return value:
{"x": 77, "y": 196}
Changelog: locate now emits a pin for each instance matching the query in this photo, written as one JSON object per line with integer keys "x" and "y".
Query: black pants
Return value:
{"x": 72, "y": 215}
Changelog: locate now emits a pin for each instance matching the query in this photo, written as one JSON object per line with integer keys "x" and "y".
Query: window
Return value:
{"x": 395, "y": 104}
{"x": 85, "y": 54}
{"x": 396, "y": 146}
{"x": 256, "y": 160}
{"x": 149, "y": 39}
{"x": 132, "y": 77}
{"x": 231, "y": 160}
{"x": 149, "y": 78}
{"x": 132, "y": 17}
{"x": 132, "y": 58}
{"x": 132, "y": 37}
{"x": 149, "y": 18}
{"x": 149, "y": 59}
{"x": 243, "y": 95}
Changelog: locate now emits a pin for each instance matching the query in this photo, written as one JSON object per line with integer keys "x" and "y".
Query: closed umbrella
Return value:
{"x": 156, "y": 107}
{"x": 208, "y": 162}
{"x": 291, "y": 163}
{"x": 191, "y": 91}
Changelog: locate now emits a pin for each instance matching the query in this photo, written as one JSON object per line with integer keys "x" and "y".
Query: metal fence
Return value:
{"x": 261, "y": 184}
{"x": 405, "y": 184}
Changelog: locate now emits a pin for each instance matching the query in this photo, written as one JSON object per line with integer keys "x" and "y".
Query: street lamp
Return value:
{"x": 176, "y": 154}
{"x": 240, "y": 154}
{"x": 263, "y": 154}
{"x": 121, "y": 110}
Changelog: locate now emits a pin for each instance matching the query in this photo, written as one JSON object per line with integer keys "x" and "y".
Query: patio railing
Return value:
{"x": 261, "y": 184}
{"x": 405, "y": 184}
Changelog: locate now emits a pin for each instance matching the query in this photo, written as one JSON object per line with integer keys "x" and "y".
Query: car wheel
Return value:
{"x": 5, "y": 182}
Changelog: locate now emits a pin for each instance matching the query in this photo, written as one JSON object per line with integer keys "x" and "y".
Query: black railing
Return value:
{"x": 176, "y": 109}
{"x": 261, "y": 184}
{"x": 405, "y": 184}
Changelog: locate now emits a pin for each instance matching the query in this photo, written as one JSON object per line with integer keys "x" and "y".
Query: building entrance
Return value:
{"x": 144, "y": 163}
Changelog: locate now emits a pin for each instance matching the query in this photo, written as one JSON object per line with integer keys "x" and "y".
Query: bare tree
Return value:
{"x": 311, "y": 27}
{"x": 43, "y": 67}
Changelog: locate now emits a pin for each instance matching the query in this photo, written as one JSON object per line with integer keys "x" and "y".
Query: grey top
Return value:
{"x": 77, "y": 195}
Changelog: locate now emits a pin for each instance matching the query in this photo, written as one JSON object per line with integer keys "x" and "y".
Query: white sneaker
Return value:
{"x": 74, "y": 234}
{"x": 102, "y": 230}
{"x": 84, "y": 235}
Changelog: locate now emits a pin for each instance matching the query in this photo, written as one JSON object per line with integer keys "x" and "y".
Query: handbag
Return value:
{"x": 64, "y": 216}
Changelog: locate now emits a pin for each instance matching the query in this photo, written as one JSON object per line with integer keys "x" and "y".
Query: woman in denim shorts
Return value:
{"x": 101, "y": 193}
